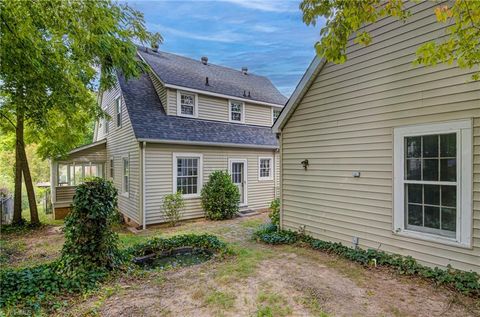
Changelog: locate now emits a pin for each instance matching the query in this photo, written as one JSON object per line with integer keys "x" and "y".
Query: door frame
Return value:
{"x": 245, "y": 176}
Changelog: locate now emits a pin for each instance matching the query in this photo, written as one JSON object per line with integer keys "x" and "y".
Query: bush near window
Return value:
{"x": 89, "y": 254}
{"x": 172, "y": 206}
{"x": 275, "y": 212}
{"x": 220, "y": 196}
{"x": 465, "y": 282}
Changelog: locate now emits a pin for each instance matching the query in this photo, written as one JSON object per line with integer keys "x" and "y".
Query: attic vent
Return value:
{"x": 244, "y": 70}
{"x": 204, "y": 60}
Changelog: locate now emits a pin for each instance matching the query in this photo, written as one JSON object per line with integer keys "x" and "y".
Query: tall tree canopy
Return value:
{"x": 346, "y": 18}
{"x": 51, "y": 52}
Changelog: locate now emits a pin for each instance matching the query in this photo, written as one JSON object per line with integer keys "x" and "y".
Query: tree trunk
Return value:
{"x": 17, "y": 203}
{"x": 32, "y": 202}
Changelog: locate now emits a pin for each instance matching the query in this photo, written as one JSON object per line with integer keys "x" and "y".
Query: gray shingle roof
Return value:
{"x": 186, "y": 72}
{"x": 149, "y": 121}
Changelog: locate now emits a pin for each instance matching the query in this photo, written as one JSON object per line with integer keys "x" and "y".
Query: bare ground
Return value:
{"x": 260, "y": 280}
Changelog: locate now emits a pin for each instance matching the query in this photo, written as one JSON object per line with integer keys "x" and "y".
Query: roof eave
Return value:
{"x": 205, "y": 143}
{"x": 315, "y": 67}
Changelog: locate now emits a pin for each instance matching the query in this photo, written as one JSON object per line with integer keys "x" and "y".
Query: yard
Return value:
{"x": 259, "y": 280}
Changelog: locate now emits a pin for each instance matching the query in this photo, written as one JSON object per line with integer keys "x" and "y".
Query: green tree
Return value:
{"x": 51, "y": 52}
{"x": 345, "y": 18}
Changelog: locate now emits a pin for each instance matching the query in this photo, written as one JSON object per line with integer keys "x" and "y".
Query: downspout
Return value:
{"x": 281, "y": 179}
{"x": 144, "y": 225}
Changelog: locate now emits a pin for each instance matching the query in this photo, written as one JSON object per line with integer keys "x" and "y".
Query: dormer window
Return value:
{"x": 187, "y": 104}
{"x": 275, "y": 114}
{"x": 236, "y": 111}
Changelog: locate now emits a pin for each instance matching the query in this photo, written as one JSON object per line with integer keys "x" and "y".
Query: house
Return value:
{"x": 383, "y": 154}
{"x": 169, "y": 129}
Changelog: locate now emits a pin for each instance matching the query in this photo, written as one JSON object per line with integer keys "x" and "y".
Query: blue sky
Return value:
{"x": 268, "y": 37}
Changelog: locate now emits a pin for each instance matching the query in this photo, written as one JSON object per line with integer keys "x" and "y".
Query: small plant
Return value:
{"x": 220, "y": 196}
{"x": 172, "y": 206}
{"x": 275, "y": 212}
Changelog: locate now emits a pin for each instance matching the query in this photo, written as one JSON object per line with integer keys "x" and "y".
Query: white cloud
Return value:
{"x": 266, "y": 5}
{"x": 265, "y": 28}
{"x": 221, "y": 36}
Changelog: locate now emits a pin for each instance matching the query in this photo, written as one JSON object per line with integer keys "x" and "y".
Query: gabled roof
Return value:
{"x": 312, "y": 71}
{"x": 178, "y": 71}
{"x": 151, "y": 123}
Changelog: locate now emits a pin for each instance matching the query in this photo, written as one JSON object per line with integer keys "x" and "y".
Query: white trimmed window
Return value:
{"x": 275, "y": 114}
{"x": 236, "y": 111}
{"x": 118, "y": 111}
{"x": 433, "y": 182}
{"x": 265, "y": 168}
{"x": 187, "y": 174}
{"x": 112, "y": 168}
{"x": 187, "y": 104}
{"x": 126, "y": 175}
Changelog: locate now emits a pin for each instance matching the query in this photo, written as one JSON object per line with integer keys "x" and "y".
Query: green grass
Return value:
{"x": 46, "y": 219}
{"x": 251, "y": 223}
{"x": 222, "y": 300}
{"x": 272, "y": 304}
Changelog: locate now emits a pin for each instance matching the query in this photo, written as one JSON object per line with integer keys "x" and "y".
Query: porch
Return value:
{"x": 83, "y": 162}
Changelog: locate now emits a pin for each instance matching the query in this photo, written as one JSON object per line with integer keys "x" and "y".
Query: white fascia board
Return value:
{"x": 237, "y": 145}
{"x": 315, "y": 66}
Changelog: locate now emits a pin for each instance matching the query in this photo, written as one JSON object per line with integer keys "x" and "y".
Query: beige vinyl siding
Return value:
{"x": 160, "y": 89}
{"x": 344, "y": 123}
{"x": 159, "y": 176}
{"x": 94, "y": 154}
{"x": 121, "y": 143}
{"x": 215, "y": 108}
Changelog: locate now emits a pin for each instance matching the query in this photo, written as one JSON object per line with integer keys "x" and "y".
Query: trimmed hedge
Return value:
{"x": 465, "y": 282}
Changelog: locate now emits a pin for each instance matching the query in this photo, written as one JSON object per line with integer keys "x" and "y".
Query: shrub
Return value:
{"x": 466, "y": 282}
{"x": 159, "y": 245}
{"x": 220, "y": 197}
{"x": 90, "y": 241}
{"x": 275, "y": 212}
{"x": 172, "y": 206}
{"x": 89, "y": 253}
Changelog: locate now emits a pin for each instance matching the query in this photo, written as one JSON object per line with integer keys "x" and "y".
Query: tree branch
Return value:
{"x": 8, "y": 119}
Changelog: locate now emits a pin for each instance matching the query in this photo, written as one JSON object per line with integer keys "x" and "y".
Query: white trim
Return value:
{"x": 273, "y": 120}
{"x": 312, "y": 70}
{"x": 464, "y": 182}
{"x": 209, "y": 93}
{"x": 179, "y": 106}
{"x": 144, "y": 214}
{"x": 235, "y": 145}
{"x": 269, "y": 178}
{"x": 230, "y": 111}
{"x": 126, "y": 193}
{"x": 84, "y": 147}
{"x": 175, "y": 156}
{"x": 245, "y": 177}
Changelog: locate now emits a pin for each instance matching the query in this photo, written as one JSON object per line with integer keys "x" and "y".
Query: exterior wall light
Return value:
{"x": 305, "y": 163}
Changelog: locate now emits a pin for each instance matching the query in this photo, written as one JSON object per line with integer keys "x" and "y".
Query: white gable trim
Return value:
{"x": 315, "y": 66}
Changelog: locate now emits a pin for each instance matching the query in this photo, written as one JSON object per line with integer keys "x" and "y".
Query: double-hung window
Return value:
{"x": 433, "y": 181}
{"x": 265, "y": 168}
{"x": 126, "y": 175}
{"x": 118, "y": 111}
{"x": 187, "y": 177}
{"x": 187, "y": 104}
{"x": 275, "y": 114}
{"x": 112, "y": 168}
{"x": 236, "y": 111}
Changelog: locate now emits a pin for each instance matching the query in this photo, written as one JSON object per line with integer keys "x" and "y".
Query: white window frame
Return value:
{"x": 273, "y": 111}
{"x": 245, "y": 174}
{"x": 126, "y": 158}
{"x": 270, "y": 177}
{"x": 175, "y": 157}
{"x": 179, "y": 105}
{"x": 463, "y": 129}
{"x": 118, "y": 112}
{"x": 230, "y": 111}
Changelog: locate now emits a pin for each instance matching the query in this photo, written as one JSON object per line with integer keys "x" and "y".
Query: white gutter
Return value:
{"x": 84, "y": 147}
{"x": 181, "y": 142}
{"x": 144, "y": 225}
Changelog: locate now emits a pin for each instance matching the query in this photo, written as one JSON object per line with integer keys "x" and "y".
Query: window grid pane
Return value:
{"x": 187, "y": 104}
{"x": 236, "y": 111}
{"x": 187, "y": 175}
{"x": 429, "y": 207}
{"x": 265, "y": 167}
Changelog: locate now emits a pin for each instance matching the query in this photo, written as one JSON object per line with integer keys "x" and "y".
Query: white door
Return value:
{"x": 237, "y": 169}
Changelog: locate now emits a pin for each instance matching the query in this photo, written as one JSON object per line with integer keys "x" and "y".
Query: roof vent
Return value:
{"x": 244, "y": 70}
{"x": 206, "y": 81}
{"x": 204, "y": 60}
